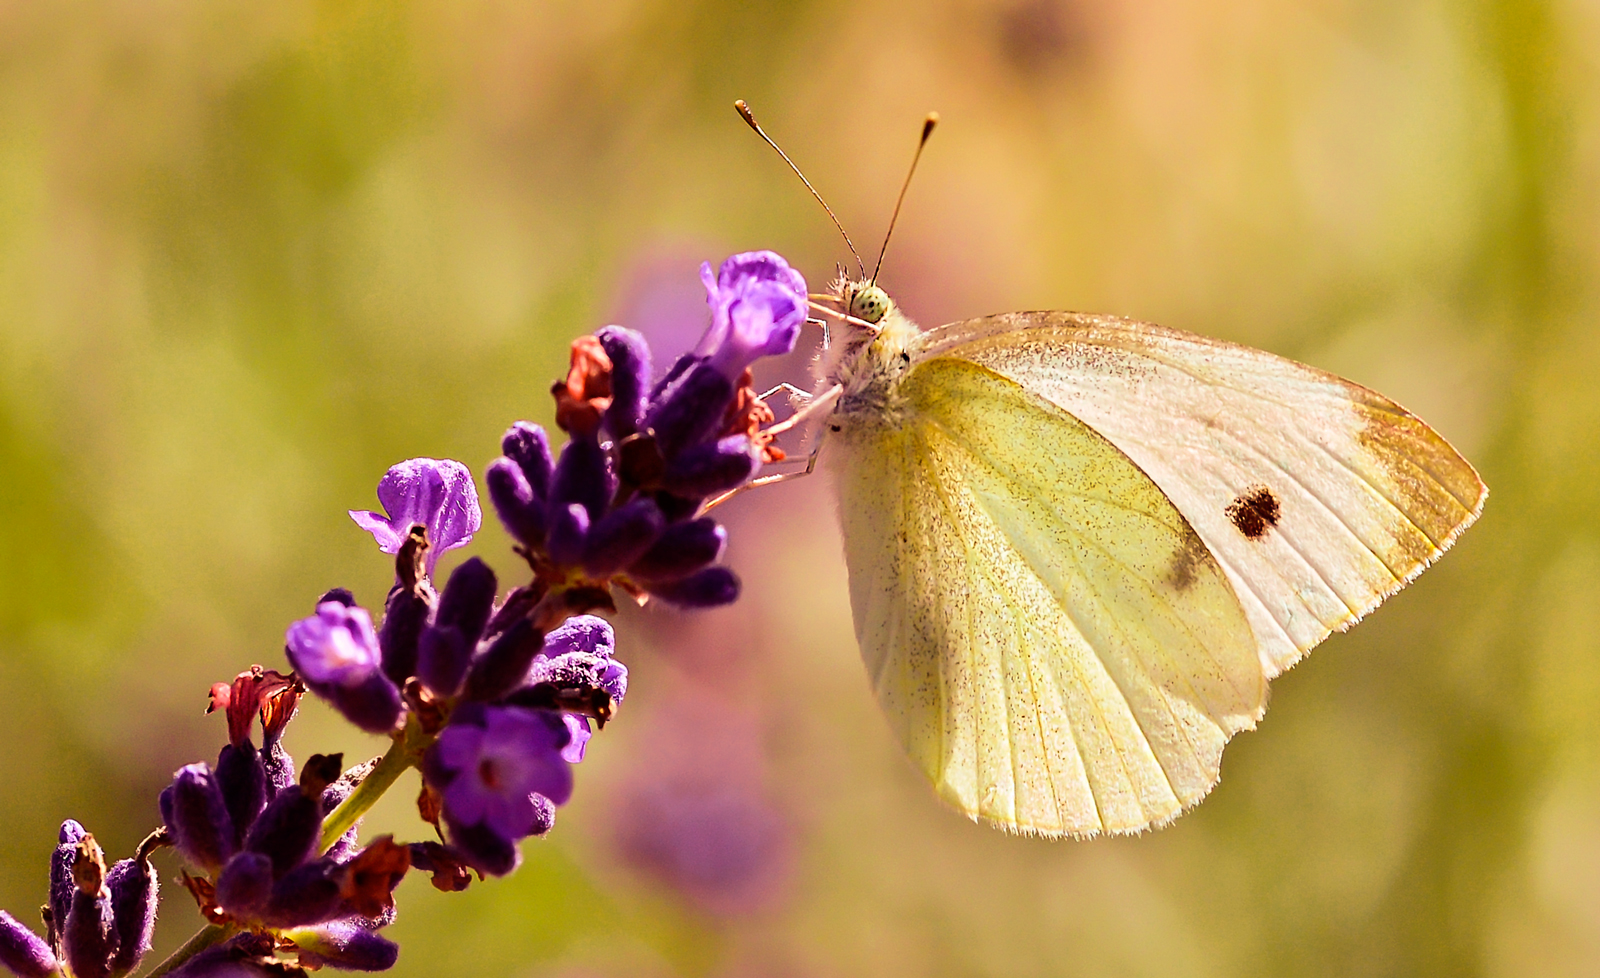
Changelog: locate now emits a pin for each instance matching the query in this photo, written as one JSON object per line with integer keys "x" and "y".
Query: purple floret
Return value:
{"x": 758, "y": 304}
{"x": 494, "y": 760}
{"x": 335, "y": 652}
{"x": 436, "y": 493}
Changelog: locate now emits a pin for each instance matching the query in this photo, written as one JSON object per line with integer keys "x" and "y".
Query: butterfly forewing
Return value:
{"x": 1050, "y": 639}
{"x": 1318, "y": 497}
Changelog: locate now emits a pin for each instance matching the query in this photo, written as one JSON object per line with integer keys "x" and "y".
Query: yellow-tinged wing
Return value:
{"x": 1049, "y": 638}
{"x": 1318, "y": 497}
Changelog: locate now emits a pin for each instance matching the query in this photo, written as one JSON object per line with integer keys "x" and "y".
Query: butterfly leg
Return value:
{"x": 767, "y": 480}
{"x": 796, "y": 395}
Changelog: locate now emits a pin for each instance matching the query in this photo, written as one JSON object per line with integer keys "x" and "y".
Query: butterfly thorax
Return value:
{"x": 867, "y": 363}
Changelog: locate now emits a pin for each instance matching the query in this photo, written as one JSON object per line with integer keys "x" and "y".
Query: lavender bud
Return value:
{"x": 621, "y": 537}
{"x": 22, "y": 951}
{"x": 245, "y": 885}
{"x": 442, "y": 659}
{"x": 342, "y": 944}
{"x": 61, "y": 875}
{"x": 306, "y": 895}
{"x": 332, "y": 797}
{"x": 519, "y": 509}
{"x": 242, "y": 956}
{"x": 679, "y": 367}
{"x": 279, "y": 768}
{"x": 340, "y": 594}
{"x": 504, "y": 663}
{"x": 528, "y": 446}
{"x": 243, "y": 781}
{"x": 630, "y": 378}
{"x": 708, "y": 588}
{"x": 468, "y": 599}
{"x": 88, "y": 938}
{"x": 335, "y": 652}
{"x": 405, "y": 614}
{"x": 200, "y": 823}
{"x": 569, "y": 529}
{"x": 484, "y": 849}
{"x": 712, "y": 468}
{"x": 134, "y": 892}
{"x": 287, "y": 830}
{"x": 581, "y": 476}
{"x": 374, "y": 706}
{"x": 691, "y": 409}
{"x": 683, "y": 549}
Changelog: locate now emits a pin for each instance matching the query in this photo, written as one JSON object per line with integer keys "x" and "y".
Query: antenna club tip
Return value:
{"x": 743, "y": 108}
{"x": 932, "y": 119}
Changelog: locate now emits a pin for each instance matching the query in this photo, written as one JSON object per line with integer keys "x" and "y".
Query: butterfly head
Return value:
{"x": 867, "y": 302}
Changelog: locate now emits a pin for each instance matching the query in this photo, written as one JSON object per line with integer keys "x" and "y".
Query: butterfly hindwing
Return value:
{"x": 1318, "y": 497}
{"x": 1049, "y": 638}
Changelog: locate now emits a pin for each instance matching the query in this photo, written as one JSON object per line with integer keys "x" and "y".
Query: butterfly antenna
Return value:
{"x": 750, "y": 120}
{"x": 927, "y": 130}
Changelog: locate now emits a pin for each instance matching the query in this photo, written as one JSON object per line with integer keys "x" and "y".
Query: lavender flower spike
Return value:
{"x": 436, "y": 493}
{"x": 758, "y": 304}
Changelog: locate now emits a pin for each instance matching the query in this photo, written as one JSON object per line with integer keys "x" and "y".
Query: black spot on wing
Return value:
{"x": 1186, "y": 562}
{"x": 1254, "y": 512}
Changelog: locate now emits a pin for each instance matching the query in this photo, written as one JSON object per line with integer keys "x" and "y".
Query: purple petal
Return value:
{"x": 581, "y": 633}
{"x": 578, "y": 729}
{"x": 377, "y": 524}
{"x": 436, "y": 493}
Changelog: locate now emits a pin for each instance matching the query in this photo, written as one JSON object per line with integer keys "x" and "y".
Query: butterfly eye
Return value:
{"x": 870, "y": 303}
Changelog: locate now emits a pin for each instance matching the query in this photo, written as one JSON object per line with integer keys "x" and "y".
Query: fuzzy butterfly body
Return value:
{"x": 1080, "y": 546}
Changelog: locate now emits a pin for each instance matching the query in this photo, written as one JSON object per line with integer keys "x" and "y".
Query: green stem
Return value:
{"x": 406, "y": 753}
{"x": 202, "y": 939}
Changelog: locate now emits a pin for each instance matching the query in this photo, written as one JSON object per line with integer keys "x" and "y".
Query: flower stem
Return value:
{"x": 203, "y": 938}
{"x": 406, "y": 752}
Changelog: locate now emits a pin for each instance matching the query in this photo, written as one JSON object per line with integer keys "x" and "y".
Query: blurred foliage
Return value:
{"x": 252, "y": 254}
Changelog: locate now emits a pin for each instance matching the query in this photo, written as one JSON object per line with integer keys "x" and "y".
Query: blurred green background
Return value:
{"x": 252, "y": 254}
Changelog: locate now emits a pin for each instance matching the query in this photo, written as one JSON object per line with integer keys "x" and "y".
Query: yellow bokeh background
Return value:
{"x": 252, "y": 254}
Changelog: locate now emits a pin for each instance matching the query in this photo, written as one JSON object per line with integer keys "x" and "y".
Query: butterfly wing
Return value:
{"x": 1318, "y": 497}
{"x": 1049, "y": 638}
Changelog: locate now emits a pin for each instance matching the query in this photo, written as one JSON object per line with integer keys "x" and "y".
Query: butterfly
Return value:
{"x": 1080, "y": 547}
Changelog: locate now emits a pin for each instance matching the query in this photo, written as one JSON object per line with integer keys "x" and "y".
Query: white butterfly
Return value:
{"x": 1080, "y": 546}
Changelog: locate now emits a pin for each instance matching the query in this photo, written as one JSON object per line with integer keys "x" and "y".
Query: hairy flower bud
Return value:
{"x": 242, "y": 778}
{"x": 528, "y": 446}
{"x": 134, "y": 894}
{"x": 683, "y": 549}
{"x": 503, "y": 665}
{"x": 712, "y": 468}
{"x": 707, "y": 588}
{"x": 346, "y": 945}
{"x": 61, "y": 877}
{"x": 405, "y": 614}
{"x": 520, "y": 510}
{"x": 198, "y": 817}
{"x": 245, "y": 885}
{"x": 23, "y": 951}
{"x": 630, "y": 378}
{"x": 621, "y": 537}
